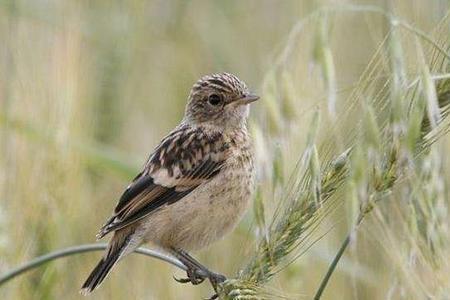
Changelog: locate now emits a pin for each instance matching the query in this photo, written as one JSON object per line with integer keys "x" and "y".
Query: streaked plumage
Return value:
{"x": 195, "y": 186}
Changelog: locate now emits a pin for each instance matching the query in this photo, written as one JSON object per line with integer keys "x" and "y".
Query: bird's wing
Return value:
{"x": 184, "y": 160}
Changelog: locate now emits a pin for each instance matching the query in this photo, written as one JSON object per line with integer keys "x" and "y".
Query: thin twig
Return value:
{"x": 332, "y": 267}
{"x": 38, "y": 261}
{"x": 337, "y": 258}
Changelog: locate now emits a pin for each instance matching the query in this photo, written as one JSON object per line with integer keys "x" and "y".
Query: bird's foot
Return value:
{"x": 215, "y": 279}
{"x": 194, "y": 276}
{"x": 197, "y": 276}
{"x": 197, "y": 273}
{"x": 213, "y": 297}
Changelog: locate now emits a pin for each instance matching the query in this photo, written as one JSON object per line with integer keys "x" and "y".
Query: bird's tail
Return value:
{"x": 118, "y": 247}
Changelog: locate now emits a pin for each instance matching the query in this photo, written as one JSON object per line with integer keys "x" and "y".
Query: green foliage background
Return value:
{"x": 88, "y": 88}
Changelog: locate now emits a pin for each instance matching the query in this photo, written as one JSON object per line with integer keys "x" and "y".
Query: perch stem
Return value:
{"x": 38, "y": 261}
{"x": 332, "y": 267}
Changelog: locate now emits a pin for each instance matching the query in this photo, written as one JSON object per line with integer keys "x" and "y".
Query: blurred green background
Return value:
{"x": 88, "y": 88}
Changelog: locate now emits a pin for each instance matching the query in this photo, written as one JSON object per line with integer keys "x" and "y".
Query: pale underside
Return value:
{"x": 204, "y": 215}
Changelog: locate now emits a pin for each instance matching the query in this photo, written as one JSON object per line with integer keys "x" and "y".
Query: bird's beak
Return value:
{"x": 247, "y": 99}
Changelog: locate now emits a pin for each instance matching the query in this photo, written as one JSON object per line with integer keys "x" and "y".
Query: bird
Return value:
{"x": 193, "y": 189}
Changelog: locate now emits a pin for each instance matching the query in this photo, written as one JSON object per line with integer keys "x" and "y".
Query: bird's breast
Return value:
{"x": 207, "y": 213}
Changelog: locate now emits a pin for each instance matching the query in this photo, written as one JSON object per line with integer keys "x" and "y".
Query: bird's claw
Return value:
{"x": 192, "y": 277}
{"x": 215, "y": 279}
{"x": 197, "y": 276}
{"x": 213, "y": 297}
{"x": 181, "y": 280}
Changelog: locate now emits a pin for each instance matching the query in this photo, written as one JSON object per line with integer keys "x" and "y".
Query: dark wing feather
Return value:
{"x": 139, "y": 184}
{"x": 184, "y": 160}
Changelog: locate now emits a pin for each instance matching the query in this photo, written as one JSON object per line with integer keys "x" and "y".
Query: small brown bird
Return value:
{"x": 194, "y": 188}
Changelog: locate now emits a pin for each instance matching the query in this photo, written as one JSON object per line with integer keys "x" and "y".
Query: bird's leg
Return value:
{"x": 196, "y": 272}
{"x": 194, "y": 275}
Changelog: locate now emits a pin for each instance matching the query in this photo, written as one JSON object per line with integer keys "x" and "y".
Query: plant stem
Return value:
{"x": 332, "y": 267}
{"x": 38, "y": 261}
{"x": 341, "y": 251}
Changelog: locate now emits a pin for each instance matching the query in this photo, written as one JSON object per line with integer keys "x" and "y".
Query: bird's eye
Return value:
{"x": 214, "y": 99}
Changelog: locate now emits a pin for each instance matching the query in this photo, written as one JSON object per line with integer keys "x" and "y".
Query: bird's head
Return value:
{"x": 219, "y": 100}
